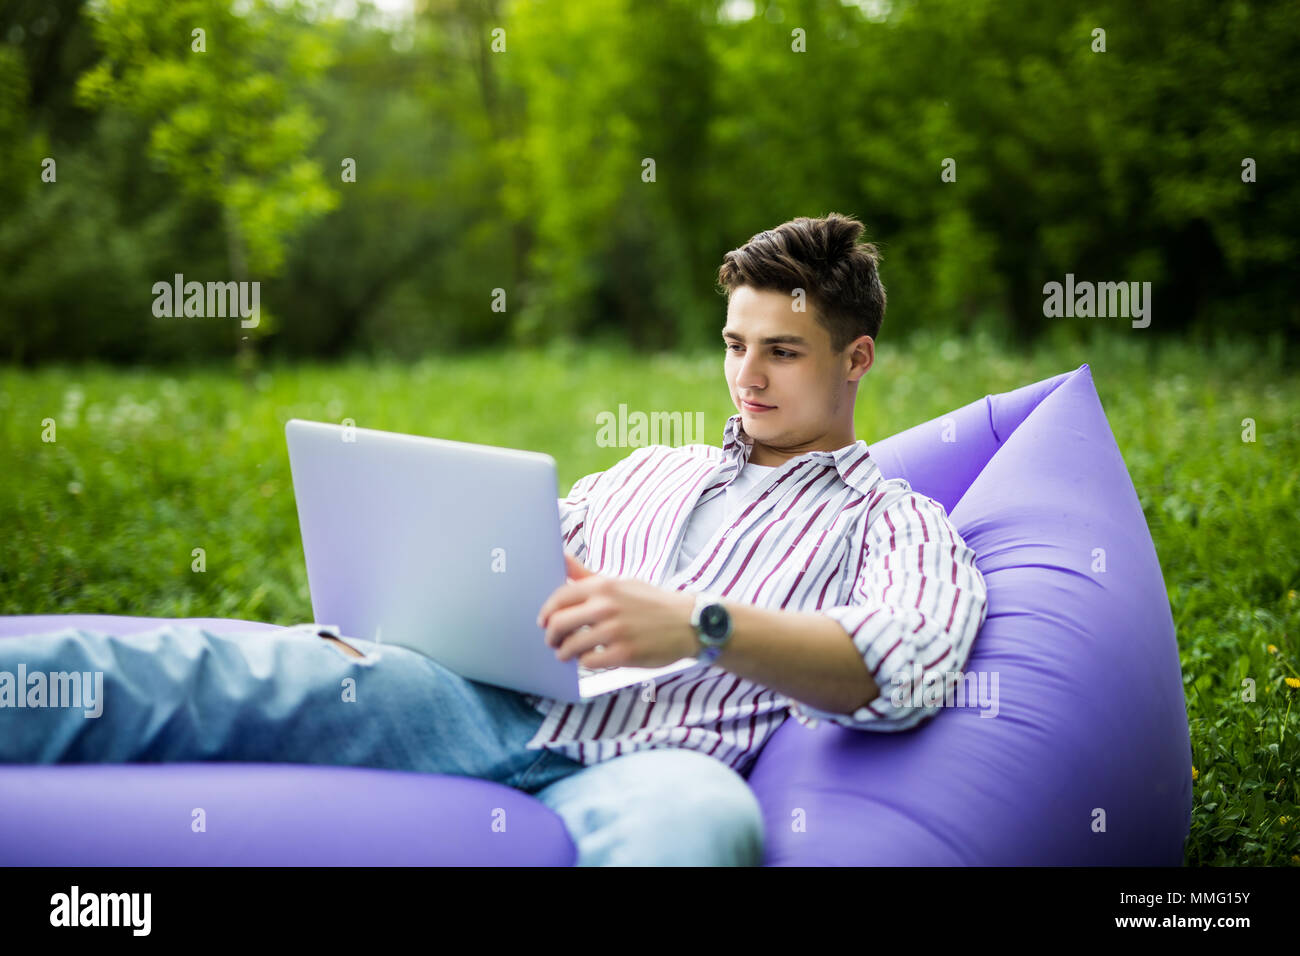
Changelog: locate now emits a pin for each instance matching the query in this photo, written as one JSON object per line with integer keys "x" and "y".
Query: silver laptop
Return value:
{"x": 444, "y": 547}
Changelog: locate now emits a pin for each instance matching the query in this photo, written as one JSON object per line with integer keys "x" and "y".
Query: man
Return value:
{"x": 833, "y": 586}
{"x": 806, "y": 584}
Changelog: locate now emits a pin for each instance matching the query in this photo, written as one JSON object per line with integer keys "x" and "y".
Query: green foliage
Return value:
{"x": 14, "y": 163}
{"x": 220, "y": 91}
{"x": 503, "y": 145}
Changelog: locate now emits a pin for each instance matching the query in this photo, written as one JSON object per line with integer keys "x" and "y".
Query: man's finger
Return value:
{"x": 576, "y": 568}
{"x": 578, "y": 643}
{"x": 572, "y": 592}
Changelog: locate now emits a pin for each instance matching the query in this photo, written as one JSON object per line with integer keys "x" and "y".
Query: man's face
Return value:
{"x": 809, "y": 389}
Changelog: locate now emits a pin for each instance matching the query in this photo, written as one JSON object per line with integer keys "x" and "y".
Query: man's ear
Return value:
{"x": 868, "y": 347}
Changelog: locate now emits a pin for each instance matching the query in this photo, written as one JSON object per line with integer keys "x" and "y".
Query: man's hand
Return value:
{"x": 638, "y": 624}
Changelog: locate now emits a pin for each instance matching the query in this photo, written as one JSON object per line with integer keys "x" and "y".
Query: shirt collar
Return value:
{"x": 853, "y": 461}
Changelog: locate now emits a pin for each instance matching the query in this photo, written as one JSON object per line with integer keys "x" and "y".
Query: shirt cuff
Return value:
{"x": 886, "y": 638}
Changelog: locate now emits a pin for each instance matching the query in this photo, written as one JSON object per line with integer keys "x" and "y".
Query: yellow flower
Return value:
{"x": 1272, "y": 648}
{"x": 1282, "y": 820}
{"x": 1293, "y": 682}
{"x": 1290, "y": 595}
{"x": 1195, "y": 773}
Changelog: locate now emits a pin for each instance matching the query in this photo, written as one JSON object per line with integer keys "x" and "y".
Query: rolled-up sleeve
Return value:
{"x": 918, "y": 601}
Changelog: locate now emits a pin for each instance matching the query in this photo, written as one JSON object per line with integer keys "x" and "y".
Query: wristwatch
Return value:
{"x": 712, "y": 626}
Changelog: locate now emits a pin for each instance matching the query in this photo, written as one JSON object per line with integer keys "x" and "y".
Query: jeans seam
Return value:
{"x": 532, "y": 769}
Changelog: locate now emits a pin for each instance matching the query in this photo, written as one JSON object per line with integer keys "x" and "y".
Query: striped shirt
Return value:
{"x": 824, "y": 532}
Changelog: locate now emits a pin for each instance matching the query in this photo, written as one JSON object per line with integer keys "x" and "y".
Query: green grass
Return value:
{"x": 151, "y": 464}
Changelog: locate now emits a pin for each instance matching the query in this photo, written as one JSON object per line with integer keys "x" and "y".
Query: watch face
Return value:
{"x": 713, "y": 620}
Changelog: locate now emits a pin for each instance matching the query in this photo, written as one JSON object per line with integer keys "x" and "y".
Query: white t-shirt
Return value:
{"x": 708, "y": 515}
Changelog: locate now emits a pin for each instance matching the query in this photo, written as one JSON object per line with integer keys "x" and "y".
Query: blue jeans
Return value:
{"x": 182, "y": 693}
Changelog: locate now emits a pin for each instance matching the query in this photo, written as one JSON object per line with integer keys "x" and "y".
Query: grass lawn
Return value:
{"x": 151, "y": 464}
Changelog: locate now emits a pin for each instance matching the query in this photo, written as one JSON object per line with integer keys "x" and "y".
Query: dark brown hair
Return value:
{"x": 824, "y": 258}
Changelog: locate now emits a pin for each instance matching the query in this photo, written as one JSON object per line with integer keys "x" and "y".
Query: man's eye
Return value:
{"x": 784, "y": 353}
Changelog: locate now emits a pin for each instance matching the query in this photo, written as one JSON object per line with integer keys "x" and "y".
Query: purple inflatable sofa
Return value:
{"x": 1080, "y": 756}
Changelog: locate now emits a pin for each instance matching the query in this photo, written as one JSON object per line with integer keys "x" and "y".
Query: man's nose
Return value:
{"x": 750, "y": 374}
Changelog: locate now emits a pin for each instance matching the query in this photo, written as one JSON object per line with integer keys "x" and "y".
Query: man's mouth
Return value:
{"x": 755, "y": 407}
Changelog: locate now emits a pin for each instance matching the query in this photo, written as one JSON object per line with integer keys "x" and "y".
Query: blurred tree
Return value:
{"x": 221, "y": 89}
{"x": 608, "y": 167}
{"x": 503, "y": 144}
